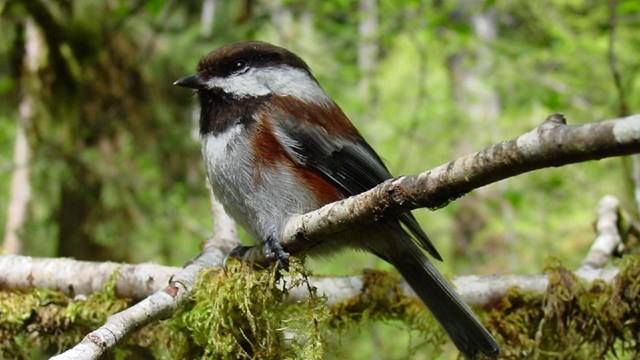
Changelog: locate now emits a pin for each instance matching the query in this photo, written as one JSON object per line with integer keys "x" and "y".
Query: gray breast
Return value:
{"x": 228, "y": 160}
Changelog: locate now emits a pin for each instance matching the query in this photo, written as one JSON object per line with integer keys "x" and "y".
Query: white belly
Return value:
{"x": 259, "y": 200}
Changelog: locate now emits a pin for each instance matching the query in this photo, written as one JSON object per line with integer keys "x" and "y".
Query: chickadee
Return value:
{"x": 275, "y": 145}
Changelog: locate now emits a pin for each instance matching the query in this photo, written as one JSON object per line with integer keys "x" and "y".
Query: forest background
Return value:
{"x": 112, "y": 152}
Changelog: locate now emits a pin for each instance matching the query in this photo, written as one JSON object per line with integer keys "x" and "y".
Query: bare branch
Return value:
{"x": 133, "y": 281}
{"x": 608, "y": 239}
{"x": 551, "y": 144}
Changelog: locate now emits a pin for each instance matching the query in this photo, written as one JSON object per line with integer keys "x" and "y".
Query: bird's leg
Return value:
{"x": 273, "y": 251}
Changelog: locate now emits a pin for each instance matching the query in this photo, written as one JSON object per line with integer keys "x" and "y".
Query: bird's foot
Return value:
{"x": 273, "y": 251}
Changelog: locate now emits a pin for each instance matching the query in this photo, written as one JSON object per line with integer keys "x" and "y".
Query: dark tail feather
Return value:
{"x": 449, "y": 309}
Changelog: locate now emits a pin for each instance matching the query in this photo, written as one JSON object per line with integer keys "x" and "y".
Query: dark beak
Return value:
{"x": 192, "y": 82}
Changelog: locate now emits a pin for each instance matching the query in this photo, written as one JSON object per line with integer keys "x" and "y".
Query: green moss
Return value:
{"x": 572, "y": 320}
{"x": 240, "y": 312}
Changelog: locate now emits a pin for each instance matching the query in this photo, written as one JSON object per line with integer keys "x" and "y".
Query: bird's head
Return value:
{"x": 253, "y": 69}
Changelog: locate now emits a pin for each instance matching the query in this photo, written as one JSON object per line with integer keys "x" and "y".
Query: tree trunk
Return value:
{"x": 20, "y": 191}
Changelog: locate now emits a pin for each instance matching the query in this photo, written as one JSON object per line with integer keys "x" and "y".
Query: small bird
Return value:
{"x": 275, "y": 145}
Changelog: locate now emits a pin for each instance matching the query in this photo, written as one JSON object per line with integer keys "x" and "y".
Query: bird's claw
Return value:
{"x": 273, "y": 251}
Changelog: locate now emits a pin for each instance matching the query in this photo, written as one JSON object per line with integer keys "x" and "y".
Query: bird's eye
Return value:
{"x": 239, "y": 65}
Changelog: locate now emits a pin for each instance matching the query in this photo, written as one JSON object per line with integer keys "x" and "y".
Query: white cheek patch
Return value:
{"x": 242, "y": 85}
{"x": 282, "y": 80}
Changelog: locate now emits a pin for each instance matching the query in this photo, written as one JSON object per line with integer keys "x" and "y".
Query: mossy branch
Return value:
{"x": 243, "y": 312}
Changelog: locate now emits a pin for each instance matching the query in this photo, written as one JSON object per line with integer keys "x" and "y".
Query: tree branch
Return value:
{"x": 137, "y": 281}
{"x": 475, "y": 290}
{"x": 608, "y": 239}
{"x": 225, "y": 234}
{"x": 25, "y": 273}
{"x": 159, "y": 305}
{"x": 552, "y": 144}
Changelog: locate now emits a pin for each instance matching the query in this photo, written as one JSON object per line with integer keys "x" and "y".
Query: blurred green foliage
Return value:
{"x": 117, "y": 172}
